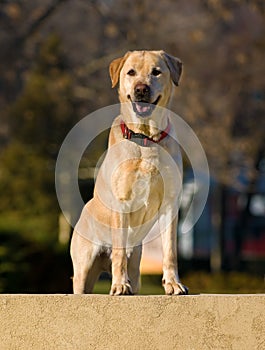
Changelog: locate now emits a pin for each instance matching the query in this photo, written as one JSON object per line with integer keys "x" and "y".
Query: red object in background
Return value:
{"x": 254, "y": 246}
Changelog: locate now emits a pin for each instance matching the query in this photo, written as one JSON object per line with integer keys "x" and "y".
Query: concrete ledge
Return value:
{"x": 138, "y": 322}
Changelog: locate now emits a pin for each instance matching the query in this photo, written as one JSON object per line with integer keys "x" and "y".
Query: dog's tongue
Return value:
{"x": 142, "y": 107}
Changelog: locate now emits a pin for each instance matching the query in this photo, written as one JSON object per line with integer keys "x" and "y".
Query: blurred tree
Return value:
{"x": 39, "y": 120}
{"x": 220, "y": 42}
{"x": 43, "y": 113}
{"x": 221, "y": 95}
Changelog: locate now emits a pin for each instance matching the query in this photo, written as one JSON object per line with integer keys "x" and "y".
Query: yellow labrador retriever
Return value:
{"x": 138, "y": 184}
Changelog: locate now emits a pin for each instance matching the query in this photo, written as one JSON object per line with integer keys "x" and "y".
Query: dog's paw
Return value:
{"x": 175, "y": 288}
{"x": 121, "y": 289}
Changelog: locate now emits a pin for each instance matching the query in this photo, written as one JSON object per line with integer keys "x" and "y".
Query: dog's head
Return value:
{"x": 146, "y": 80}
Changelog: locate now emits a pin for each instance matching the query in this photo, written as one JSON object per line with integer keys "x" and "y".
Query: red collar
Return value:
{"x": 142, "y": 139}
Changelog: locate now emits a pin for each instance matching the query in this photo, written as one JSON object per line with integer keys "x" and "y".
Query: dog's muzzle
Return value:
{"x": 141, "y": 103}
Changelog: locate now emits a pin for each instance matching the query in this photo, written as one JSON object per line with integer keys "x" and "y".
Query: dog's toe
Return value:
{"x": 121, "y": 289}
{"x": 175, "y": 288}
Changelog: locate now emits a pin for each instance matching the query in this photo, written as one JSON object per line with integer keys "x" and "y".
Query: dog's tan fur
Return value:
{"x": 130, "y": 192}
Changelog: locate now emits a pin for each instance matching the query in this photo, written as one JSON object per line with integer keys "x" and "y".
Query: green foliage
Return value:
{"x": 39, "y": 118}
{"x": 51, "y": 56}
{"x": 220, "y": 100}
{"x": 43, "y": 113}
{"x": 29, "y": 265}
{"x": 233, "y": 282}
{"x": 199, "y": 282}
{"x": 26, "y": 180}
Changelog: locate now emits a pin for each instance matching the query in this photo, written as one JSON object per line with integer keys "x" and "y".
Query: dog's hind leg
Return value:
{"x": 101, "y": 263}
{"x": 92, "y": 277}
{"x": 83, "y": 254}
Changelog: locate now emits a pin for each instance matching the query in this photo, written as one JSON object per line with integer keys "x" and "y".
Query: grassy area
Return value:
{"x": 38, "y": 228}
{"x": 199, "y": 282}
{"x": 232, "y": 282}
{"x": 31, "y": 260}
{"x": 150, "y": 285}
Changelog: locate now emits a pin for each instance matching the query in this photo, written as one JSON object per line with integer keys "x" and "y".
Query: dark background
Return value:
{"x": 54, "y": 58}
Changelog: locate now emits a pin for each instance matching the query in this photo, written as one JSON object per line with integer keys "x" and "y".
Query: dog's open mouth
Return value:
{"x": 143, "y": 108}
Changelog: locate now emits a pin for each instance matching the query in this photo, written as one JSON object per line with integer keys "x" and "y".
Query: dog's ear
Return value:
{"x": 175, "y": 67}
{"x": 115, "y": 69}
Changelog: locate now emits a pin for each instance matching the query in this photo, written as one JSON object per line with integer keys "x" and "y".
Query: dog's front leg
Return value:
{"x": 170, "y": 281}
{"x": 120, "y": 281}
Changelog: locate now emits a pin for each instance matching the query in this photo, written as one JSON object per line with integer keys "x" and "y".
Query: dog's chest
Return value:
{"x": 134, "y": 177}
{"x": 136, "y": 180}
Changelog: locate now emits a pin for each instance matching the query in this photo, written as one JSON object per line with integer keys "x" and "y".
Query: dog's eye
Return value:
{"x": 131, "y": 72}
{"x": 156, "y": 72}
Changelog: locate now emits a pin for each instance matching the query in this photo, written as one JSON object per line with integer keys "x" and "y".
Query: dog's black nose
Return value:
{"x": 142, "y": 92}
